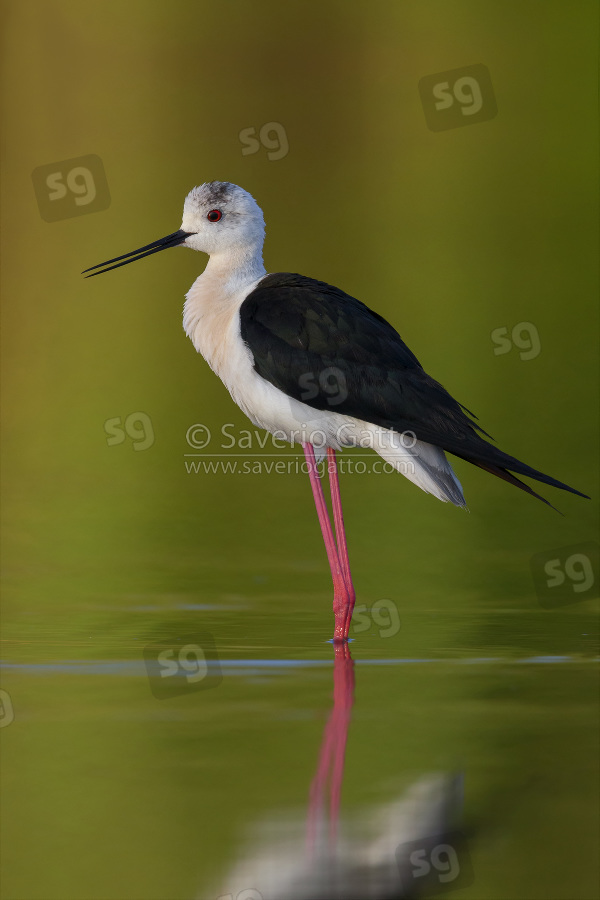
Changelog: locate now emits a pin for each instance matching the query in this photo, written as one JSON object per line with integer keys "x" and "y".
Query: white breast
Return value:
{"x": 211, "y": 320}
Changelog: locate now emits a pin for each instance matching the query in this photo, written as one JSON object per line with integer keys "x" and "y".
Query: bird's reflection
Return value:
{"x": 319, "y": 857}
{"x": 333, "y": 753}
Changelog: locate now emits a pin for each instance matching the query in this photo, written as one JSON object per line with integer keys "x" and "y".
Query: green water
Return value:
{"x": 111, "y": 793}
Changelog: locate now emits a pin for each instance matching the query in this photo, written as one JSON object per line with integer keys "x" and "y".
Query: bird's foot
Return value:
{"x": 343, "y": 605}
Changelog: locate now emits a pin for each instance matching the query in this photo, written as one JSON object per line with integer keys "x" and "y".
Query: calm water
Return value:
{"x": 117, "y": 793}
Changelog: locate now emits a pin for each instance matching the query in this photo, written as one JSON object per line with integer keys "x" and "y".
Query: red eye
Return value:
{"x": 214, "y": 215}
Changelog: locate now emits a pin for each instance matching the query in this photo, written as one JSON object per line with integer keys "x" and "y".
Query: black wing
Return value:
{"x": 323, "y": 347}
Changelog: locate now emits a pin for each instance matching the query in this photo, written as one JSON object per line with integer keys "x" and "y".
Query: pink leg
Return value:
{"x": 340, "y": 534}
{"x": 340, "y": 593}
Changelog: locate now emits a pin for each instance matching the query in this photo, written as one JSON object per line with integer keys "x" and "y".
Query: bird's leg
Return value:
{"x": 340, "y": 593}
{"x": 340, "y": 534}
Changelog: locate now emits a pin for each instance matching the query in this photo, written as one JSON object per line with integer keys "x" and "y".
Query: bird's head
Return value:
{"x": 218, "y": 218}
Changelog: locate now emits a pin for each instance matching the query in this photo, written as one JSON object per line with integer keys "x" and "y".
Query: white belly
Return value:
{"x": 212, "y": 321}
{"x": 213, "y": 324}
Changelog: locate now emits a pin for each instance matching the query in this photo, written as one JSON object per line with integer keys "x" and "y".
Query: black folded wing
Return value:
{"x": 323, "y": 347}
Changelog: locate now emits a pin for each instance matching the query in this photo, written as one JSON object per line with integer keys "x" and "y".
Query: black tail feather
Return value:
{"x": 507, "y": 476}
{"x": 493, "y": 460}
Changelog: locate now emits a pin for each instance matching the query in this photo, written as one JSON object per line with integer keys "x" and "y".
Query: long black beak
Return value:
{"x": 171, "y": 240}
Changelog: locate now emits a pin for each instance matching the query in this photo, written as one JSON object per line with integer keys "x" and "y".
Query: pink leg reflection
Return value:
{"x": 333, "y": 750}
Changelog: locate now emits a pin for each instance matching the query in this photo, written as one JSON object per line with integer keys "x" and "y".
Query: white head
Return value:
{"x": 220, "y": 219}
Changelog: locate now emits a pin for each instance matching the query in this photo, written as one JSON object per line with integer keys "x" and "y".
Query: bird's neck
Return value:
{"x": 235, "y": 269}
{"x": 217, "y": 294}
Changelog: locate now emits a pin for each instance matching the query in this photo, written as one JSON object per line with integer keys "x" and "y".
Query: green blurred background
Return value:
{"x": 451, "y": 235}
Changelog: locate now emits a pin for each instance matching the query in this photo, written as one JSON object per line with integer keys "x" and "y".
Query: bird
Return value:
{"x": 313, "y": 365}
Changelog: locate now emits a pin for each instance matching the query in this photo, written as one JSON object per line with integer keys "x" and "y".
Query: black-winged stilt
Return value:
{"x": 281, "y": 342}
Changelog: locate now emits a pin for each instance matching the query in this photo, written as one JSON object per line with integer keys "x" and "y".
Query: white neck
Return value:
{"x": 217, "y": 294}
{"x": 234, "y": 269}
